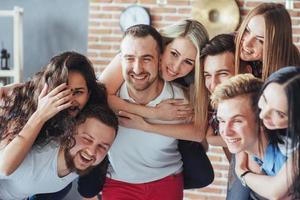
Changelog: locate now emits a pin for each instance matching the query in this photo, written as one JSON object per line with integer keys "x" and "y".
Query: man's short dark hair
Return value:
{"x": 218, "y": 45}
{"x": 142, "y": 30}
{"x": 100, "y": 112}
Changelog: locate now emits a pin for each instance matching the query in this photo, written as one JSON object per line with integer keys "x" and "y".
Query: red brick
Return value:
{"x": 296, "y": 4}
{"x": 162, "y": 10}
{"x": 212, "y": 190}
{"x": 125, "y": 1}
{"x": 215, "y": 158}
{"x": 184, "y": 10}
{"x": 116, "y": 16}
{"x": 179, "y": 2}
{"x": 220, "y": 182}
{"x": 296, "y": 39}
{"x": 173, "y": 18}
{"x": 107, "y": 55}
{"x": 294, "y": 13}
{"x": 118, "y": 32}
{"x": 99, "y": 46}
{"x": 110, "y": 24}
{"x": 296, "y": 31}
{"x": 147, "y": 2}
{"x": 100, "y": 62}
{"x": 221, "y": 167}
{"x": 112, "y": 8}
{"x": 156, "y": 18}
{"x": 102, "y": 16}
{"x": 111, "y": 39}
{"x": 92, "y": 55}
{"x": 93, "y": 39}
{"x": 252, "y": 4}
{"x": 94, "y": 8}
{"x": 116, "y": 47}
{"x": 100, "y": 31}
{"x": 218, "y": 174}
{"x": 295, "y": 22}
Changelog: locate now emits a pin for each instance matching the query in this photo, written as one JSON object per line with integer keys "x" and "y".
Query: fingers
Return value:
{"x": 64, "y": 100}
{"x": 185, "y": 107}
{"x": 122, "y": 121}
{"x": 44, "y": 91}
{"x": 58, "y": 89}
{"x": 64, "y": 106}
{"x": 125, "y": 114}
{"x": 174, "y": 101}
{"x": 64, "y": 94}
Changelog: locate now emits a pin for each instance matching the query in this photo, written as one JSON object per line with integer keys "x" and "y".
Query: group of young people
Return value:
{"x": 165, "y": 87}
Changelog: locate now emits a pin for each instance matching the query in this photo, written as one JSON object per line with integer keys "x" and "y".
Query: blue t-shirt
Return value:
{"x": 273, "y": 160}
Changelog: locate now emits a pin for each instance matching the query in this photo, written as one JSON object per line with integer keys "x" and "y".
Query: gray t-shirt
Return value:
{"x": 137, "y": 156}
{"x": 37, "y": 174}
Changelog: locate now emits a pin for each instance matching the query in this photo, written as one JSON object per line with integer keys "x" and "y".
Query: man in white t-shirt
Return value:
{"x": 144, "y": 165}
{"x": 53, "y": 167}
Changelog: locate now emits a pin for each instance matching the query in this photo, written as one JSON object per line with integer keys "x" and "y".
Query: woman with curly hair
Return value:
{"x": 43, "y": 109}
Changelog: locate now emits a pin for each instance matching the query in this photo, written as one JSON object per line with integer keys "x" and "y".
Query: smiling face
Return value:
{"x": 140, "y": 62}
{"x": 178, "y": 59}
{"x": 274, "y": 109}
{"x": 237, "y": 124}
{"x": 77, "y": 84}
{"x": 253, "y": 39}
{"x": 93, "y": 141}
{"x": 217, "y": 69}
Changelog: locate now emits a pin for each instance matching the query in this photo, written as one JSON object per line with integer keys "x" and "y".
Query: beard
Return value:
{"x": 71, "y": 164}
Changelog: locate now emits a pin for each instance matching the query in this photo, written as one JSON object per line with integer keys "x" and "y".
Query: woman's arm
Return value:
{"x": 12, "y": 153}
{"x": 215, "y": 140}
{"x": 280, "y": 184}
{"x": 178, "y": 131}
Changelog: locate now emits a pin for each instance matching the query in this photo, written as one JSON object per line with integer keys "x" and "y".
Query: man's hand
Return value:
{"x": 130, "y": 120}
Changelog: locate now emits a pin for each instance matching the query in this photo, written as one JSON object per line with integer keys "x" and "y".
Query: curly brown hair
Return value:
{"x": 17, "y": 108}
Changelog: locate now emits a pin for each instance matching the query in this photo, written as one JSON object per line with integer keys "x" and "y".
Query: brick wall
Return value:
{"x": 104, "y": 40}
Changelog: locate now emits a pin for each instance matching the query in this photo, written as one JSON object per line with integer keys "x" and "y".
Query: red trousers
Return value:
{"x": 168, "y": 188}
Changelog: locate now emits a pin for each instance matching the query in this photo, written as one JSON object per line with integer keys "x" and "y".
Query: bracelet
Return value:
{"x": 242, "y": 177}
{"x": 243, "y": 174}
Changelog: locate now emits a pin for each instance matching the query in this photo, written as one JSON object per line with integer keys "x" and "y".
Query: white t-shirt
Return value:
{"x": 137, "y": 156}
{"x": 37, "y": 174}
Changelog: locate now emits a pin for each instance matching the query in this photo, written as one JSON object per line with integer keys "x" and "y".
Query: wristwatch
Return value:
{"x": 242, "y": 178}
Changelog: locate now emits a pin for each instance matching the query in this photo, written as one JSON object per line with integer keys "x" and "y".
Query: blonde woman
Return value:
{"x": 181, "y": 63}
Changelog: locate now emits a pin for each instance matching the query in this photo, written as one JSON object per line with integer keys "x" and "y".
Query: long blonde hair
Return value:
{"x": 197, "y": 34}
{"x": 278, "y": 47}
